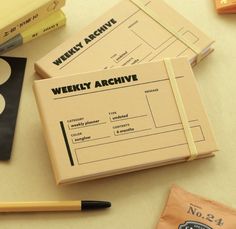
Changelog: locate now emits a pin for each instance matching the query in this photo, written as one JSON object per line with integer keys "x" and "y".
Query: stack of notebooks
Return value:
{"x": 121, "y": 95}
{"x": 225, "y": 6}
{"x": 24, "y": 20}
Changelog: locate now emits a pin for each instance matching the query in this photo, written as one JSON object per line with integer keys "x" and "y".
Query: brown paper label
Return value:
{"x": 188, "y": 211}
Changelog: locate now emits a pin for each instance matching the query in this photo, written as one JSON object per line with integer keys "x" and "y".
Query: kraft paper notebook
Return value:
{"x": 225, "y": 6}
{"x": 123, "y": 119}
{"x": 147, "y": 30}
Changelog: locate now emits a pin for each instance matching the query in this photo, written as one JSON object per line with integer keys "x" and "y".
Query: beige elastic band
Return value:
{"x": 181, "y": 109}
{"x": 155, "y": 17}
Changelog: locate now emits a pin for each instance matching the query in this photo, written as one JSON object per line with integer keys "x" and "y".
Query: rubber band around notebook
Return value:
{"x": 181, "y": 109}
{"x": 155, "y": 17}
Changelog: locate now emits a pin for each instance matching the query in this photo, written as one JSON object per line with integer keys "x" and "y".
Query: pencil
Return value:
{"x": 54, "y": 206}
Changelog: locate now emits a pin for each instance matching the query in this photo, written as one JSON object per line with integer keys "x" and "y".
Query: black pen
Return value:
{"x": 53, "y": 206}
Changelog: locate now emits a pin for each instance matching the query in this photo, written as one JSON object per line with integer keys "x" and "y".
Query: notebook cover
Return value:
{"x": 12, "y": 71}
{"x": 119, "y": 120}
{"x": 124, "y": 37}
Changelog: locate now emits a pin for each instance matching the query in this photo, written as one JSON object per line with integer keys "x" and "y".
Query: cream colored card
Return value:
{"x": 119, "y": 120}
{"x": 147, "y": 30}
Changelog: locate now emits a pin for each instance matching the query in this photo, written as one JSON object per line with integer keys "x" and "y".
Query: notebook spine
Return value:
{"x": 53, "y": 22}
{"x": 46, "y": 27}
{"x": 29, "y": 19}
